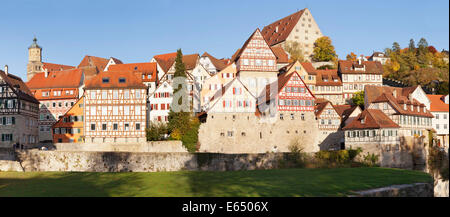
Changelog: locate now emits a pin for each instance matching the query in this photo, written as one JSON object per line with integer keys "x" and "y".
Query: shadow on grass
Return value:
{"x": 66, "y": 184}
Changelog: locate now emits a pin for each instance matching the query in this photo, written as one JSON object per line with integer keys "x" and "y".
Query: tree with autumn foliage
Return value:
{"x": 417, "y": 64}
{"x": 295, "y": 51}
{"x": 351, "y": 56}
{"x": 324, "y": 50}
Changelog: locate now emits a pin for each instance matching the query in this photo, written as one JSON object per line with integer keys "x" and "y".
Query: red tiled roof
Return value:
{"x": 437, "y": 103}
{"x": 55, "y": 67}
{"x": 328, "y": 77}
{"x": 371, "y": 67}
{"x": 59, "y": 79}
{"x": 340, "y": 109}
{"x": 38, "y": 93}
{"x": 22, "y": 91}
{"x": 280, "y": 53}
{"x": 117, "y": 61}
{"x": 285, "y": 27}
{"x": 131, "y": 80}
{"x": 320, "y": 106}
{"x": 233, "y": 58}
{"x": 190, "y": 61}
{"x": 166, "y": 60}
{"x": 373, "y": 119}
{"x": 309, "y": 68}
{"x": 92, "y": 61}
{"x": 138, "y": 68}
{"x": 377, "y": 94}
{"x": 219, "y": 64}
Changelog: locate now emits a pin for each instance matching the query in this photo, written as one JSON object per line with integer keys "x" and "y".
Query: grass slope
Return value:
{"x": 284, "y": 182}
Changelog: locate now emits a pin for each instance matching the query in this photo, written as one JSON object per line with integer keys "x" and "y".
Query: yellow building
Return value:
{"x": 215, "y": 83}
{"x": 69, "y": 127}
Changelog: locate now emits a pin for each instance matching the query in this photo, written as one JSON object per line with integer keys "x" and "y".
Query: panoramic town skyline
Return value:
{"x": 133, "y": 34}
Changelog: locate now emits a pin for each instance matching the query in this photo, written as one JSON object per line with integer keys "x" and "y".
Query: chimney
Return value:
{"x": 6, "y": 69}
{"x": 46, "y": 72}
{"x": 359, "y": 61}
{"x": 276, "y": 29}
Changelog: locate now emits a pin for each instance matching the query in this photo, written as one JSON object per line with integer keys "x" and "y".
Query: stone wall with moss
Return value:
{"x": 35, "y": 160}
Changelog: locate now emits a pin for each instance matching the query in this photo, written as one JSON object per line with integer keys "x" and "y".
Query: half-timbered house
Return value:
{"x": 18, "y": 113}
{"x": 115, "y": 108}
{"x": 160, "y": 101}
{"x": 256, "y": 64}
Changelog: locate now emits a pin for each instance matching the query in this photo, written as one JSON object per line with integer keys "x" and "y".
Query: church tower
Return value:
{"x": 34, "y": 59}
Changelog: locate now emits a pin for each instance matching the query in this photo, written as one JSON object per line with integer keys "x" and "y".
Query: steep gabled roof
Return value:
{"x": 131, "y": 80}
{"x": 378, "y": 94}
{"x": 219, "y": 94}
{"x": 219, "y": 64}
{"x": 57, "y": 79}
{"x": 190, "y": 61}
{"x": 92, "y": 61}
{"x": 282, "y": 81}
{"x": 275, "y": 35}
{"x": 309, "y": 68}
{"x": 117, "y": 61}
{"x": 22, "y": 91}
{"x": 320, "y": 106}
{"x": 239, "y": 51}
{"x": 165, "y": 61}
{"x": 280, "y": 53}
{"x": 373, "y": 119}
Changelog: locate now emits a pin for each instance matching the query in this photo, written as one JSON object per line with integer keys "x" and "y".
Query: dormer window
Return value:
{"x": 105, "y": 80}
{"x": 404, "y": 106}
{"x": 122, "y": 80}
{"x": 363, "y": 121}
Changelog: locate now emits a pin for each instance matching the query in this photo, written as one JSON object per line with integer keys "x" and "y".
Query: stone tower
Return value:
{"x": 34, "y": 59}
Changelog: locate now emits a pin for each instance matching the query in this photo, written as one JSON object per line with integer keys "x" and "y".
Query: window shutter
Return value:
{"x": 223, "y": 103}
{"x": 13, "y": 120}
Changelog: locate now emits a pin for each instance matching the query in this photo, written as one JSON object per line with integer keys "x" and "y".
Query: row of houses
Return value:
{"x": 256, "y": 101}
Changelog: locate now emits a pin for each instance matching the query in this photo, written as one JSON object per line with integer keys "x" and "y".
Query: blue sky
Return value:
{"x": 134, "y": 31}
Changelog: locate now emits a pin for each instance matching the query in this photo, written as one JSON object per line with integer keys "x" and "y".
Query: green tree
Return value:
{"x": 358, "y": 99}
{"x": 295, "y": 51}
{"x": 412, "y": 46}
{"x": 179, "y": 113}
{"x": 156, "y": 132}
{"x": 396, "y": 47}
{"x": 323, "y": 50}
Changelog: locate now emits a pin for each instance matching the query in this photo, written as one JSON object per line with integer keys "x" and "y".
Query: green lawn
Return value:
{"x": 284, "y": 182}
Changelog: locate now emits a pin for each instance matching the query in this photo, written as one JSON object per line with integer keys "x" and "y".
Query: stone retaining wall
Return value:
{"x": 9, "y": 165}
{"x": 7, "y": 154}
{"x": 155, "y": 146}
{"x": 407, "y": 190}
{"x": 35, "y": 160}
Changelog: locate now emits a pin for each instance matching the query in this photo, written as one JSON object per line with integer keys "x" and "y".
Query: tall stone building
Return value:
{"x": 35, "y": 64}
{"x": 298, "y": 27}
